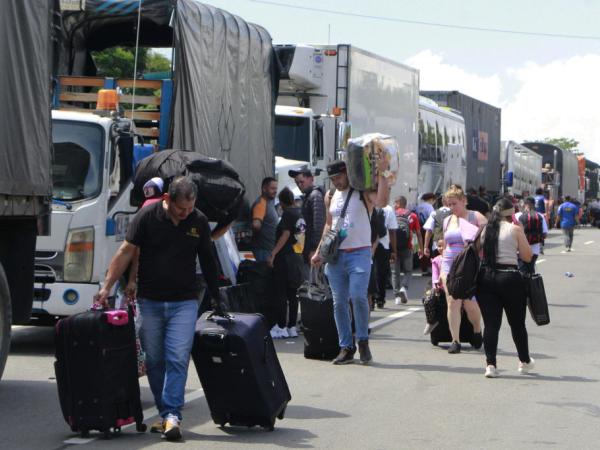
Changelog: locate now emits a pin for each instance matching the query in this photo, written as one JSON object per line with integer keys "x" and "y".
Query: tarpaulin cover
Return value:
{"x": 25, "y": 88}
{"x": 225, "y": 75}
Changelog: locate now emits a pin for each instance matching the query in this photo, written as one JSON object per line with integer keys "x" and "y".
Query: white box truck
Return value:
{"x": 324, "y": 85}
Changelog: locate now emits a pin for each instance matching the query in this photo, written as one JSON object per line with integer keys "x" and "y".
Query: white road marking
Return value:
{"x": 397, "y": 315}
{"x": 588, "y": 242}
{"x": 540, "y": 261}
{"x": 148, "y": 414}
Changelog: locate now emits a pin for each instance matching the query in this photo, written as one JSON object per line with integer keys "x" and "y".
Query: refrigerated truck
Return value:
{"x": 522, "y": 166}
{"x": 562, "y": 178}
{"x": 340, "y": 84}
{"x": 482, "y": 127}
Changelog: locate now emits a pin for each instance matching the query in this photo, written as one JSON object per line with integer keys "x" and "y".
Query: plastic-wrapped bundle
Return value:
{"x": 363, "y": 155}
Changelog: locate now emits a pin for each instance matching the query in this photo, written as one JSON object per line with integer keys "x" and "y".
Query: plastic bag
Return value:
{"x": 363, "y": 155}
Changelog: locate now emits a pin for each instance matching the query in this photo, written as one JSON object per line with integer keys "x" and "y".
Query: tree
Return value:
{"x": 119, "y": 62}
{"x": 563, "y": 142}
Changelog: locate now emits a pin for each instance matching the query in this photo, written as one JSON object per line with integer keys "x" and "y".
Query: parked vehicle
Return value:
{"x": 204, "y": 107}
{"x": 521, "y": 169}
{"x": 482, "y": 127}
{"x": 442, "y": 147}
{"x": 25, "y": 154}
{"x": 343, "y": 84}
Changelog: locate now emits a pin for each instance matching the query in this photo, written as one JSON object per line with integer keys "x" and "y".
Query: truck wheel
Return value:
{"x": 5, "y": 320}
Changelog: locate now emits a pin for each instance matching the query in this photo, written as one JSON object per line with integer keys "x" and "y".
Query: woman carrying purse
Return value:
{"x": 501, "y": 286}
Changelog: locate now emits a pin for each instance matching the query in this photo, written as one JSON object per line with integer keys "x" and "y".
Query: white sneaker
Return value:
{"x": 527, "y": 367}
{"x": 403, "y": 295}
{"x": 292, "y": 332}
{"x": 397, "y": 301}
{"x": 283, "y": 333}
{"x": 276, "y": 332}
{"x": 429, "y": 327}
{"x": 491, "y": 372}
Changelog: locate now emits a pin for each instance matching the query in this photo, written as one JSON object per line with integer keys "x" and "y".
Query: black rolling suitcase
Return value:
{"x": 239, "y": 370}
{"x": 318, "y": 323}
{"x": 97, "y": 373}
{"x": 441, "y": 333}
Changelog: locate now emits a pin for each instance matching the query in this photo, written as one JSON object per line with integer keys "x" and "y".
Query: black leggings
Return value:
{"x": 497, "y": 291}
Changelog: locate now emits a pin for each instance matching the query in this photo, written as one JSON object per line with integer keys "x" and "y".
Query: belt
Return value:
{"x": 507, "y": 266}
{"x": 355, "y": 249}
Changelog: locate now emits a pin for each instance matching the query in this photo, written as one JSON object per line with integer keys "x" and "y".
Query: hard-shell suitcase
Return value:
{"x": 441, "y": 333}
{"x": 239, "y": 370}
{"x": 318, "y": 323}
{"x": 96, "y": 371}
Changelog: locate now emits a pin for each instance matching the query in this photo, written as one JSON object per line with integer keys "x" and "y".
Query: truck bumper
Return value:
{"x": 63, "y": 299}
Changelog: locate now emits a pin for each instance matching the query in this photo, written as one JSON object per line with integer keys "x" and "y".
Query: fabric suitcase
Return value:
{"x": 97, "y": 371}
{"x": 239, "y": 370}
{"x": 441, "y": 333}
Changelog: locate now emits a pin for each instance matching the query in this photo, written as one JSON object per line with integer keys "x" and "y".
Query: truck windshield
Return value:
{"x": 77, "y": 165}
{"x": 292, "y": 137}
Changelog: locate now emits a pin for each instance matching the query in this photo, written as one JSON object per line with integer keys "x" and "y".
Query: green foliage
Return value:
{"x": 563, "y": 142}
{"x": 118, "y": 62}
{"x": 155, "y": 62}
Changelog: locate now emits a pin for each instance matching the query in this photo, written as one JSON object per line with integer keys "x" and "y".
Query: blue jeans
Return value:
{"x": 167, "y": 334}
{"x": 349, "y": 281}
{"x": 261, "y": 255}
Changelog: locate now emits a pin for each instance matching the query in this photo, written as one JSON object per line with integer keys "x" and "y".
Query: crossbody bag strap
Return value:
{"x": 338, "y": 225}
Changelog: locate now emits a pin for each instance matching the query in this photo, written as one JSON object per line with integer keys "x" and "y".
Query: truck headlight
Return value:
{"x": 79, "y": 255}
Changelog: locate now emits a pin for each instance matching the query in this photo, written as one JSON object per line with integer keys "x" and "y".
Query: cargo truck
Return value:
{"x": 323, "y": 86}
{"x": 482, "y": 127}
{"x": 521, "y": 169}
{"x": 222, "y": 110}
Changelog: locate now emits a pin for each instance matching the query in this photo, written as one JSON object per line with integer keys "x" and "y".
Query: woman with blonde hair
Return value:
{"x": 461, "y": 226}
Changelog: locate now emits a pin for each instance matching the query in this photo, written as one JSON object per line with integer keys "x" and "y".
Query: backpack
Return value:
{"x": 461, "y": 281}
{"x": 532, "y": 224}
{"x": 378, "y": 224}
{"x": 403, "y": 231}
{"x": 438, "y": 228}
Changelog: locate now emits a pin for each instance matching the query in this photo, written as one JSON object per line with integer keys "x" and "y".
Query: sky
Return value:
{"x": 545, "y": 85}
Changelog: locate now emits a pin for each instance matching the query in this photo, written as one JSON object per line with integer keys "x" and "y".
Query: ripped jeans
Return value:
{"x": 349, "y": 281}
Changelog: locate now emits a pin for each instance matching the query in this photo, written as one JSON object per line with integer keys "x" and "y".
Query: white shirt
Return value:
{"x": 535, "y": 248}
{"x": 356, "y": 226}
{"x": 390, "y": 223}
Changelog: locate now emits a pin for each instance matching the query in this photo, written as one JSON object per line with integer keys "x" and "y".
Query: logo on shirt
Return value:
{"x": 193, "y": 232}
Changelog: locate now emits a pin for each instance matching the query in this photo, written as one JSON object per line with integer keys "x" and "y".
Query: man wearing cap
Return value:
{"x": 313, "y": 210}
{"x": 349, "y": 275}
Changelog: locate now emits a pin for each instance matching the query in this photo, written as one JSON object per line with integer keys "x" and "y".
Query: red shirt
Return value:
{"x": 413, "y": 224}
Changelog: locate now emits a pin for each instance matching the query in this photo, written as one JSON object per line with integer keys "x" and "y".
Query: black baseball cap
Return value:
{"x": 336, "y": 167}
{"x": 304, "y": 170}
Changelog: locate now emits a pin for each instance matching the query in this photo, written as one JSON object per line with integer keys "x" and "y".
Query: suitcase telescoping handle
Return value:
{"x": 219, "y": 310}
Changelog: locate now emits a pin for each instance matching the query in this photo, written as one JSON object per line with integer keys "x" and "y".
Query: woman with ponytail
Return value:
{"x": 461, "y": 226}
{"x": 501, "y": 287}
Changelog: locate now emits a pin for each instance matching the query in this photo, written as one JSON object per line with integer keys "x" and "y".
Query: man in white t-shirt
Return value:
{"x": 434, "y": 229}
{"x": 385, "y": 252}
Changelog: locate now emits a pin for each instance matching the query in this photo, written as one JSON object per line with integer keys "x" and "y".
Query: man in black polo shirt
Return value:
{"x": 170, "y": 235}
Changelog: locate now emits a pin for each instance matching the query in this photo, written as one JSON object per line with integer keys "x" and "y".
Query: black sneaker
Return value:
{"x": 346, "y": 356}
{"x": 477, "y": 341}
{"x": 454, "y": 347}
{"x": 364, "y": 352}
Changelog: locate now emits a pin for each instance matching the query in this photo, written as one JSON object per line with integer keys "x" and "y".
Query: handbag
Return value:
{"x": 431, "y": 304}
{"x": 536, "y": 299}
{"x": 330, "y": 244}
{"x": 461, "y": 281}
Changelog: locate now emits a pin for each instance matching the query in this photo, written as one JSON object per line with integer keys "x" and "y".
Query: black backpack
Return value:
{"x": 532, "y": 225}
{"x": 403, "y": 231}
{"x": 461, "y": 281}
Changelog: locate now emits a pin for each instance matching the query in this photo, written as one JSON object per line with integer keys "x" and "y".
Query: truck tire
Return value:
{"x": 5, "y": 320}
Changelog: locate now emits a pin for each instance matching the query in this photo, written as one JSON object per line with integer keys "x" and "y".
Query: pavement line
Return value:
{"x": 148, "y": 414}
{"x": 588, "y": 242}
{"x": 540, "y": 261}
{"x": 397, "y": 315}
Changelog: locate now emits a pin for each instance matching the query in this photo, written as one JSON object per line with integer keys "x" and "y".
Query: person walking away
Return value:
{"x": 462, "y": 225}
{"x": 535, "y": 229}
{"x": 501, "y": 287}
{"x": 264, "y": 220}
{"x": 169, "y": 235}
{"x": 288, "y": 266}
{"x": 408, "y": 223}
{"x": 540, "y": 207}
{"x": 476, "y": 203}
{"x": 434, "y": 229}
{"x": 313, "y": 210}
{"x": 567, "y": 216}
{"x": 385, "y": 253}
{"x": 349, "y": 275}
{"x": 423, "y": 211}
{"x": 436, "y": 282}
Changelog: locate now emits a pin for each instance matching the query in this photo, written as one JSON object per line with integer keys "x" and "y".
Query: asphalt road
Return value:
{"x": 414, "y": 396}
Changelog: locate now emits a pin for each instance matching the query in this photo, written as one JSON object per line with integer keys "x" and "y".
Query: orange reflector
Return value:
{"x": 330, "y": 52}
{"x": 108, "y": 100}
{"x": 80, "y": 247}
{"x": 337, "y": 111}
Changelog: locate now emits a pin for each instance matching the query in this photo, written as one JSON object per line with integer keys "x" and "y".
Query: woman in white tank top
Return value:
{"x": 501, "y": 287}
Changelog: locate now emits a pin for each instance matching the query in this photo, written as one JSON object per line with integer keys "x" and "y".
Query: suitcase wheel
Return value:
{"x": 271, "y": 425}
{"x": 281, "y": 414}
{"x": 434, "y": 341}
{"x": 141, "y": 427}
